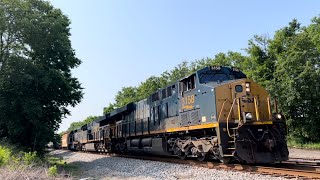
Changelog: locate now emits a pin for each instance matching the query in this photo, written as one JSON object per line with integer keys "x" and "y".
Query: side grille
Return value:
{"x": 195, "y": 119}
{"x": 184, "y": 120}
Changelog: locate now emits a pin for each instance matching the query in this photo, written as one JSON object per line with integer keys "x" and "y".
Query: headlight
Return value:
{"x": 248, "y": 87}
{"x": 278, "y": 116}
{"x": 248, "y": 116}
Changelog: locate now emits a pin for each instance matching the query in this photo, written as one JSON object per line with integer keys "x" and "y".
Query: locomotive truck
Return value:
{"x": 214, "y": 113}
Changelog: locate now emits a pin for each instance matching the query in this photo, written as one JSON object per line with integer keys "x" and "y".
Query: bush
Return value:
{"x": 30, "y": 158}
{"x": 53, "y": 171}
{"x": 5, "y": 154}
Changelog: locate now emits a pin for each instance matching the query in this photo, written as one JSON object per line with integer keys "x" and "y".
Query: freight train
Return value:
{"x": 214, "y": 113}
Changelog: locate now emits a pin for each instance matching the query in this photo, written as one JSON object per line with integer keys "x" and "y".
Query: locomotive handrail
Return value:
{"x": 221, "y": 110}
{"x": 239, "y": 109}
{"x": 269, "y": 108}
{"x": 239, "y": 112}
{"x": 256, "y": 108}
{"x": 228, "y": 118}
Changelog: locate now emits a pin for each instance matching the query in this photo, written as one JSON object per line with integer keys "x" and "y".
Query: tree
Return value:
{"x": 78, "y": 124}
{"x": 259, "y": 65}
{"x": 36, "y": 58}
{"x": 89, "y": 119}
{"x": 56, "y": 141}
{"x": 126, "y": 96}
{"x": 297, "y": 75}
{"x": 288, "y": 66}
{"x": 179, "y": 72}
{"x": 148, "y": 87}
{"x": 75, "y": 125}
{"x": 108, "y": 109}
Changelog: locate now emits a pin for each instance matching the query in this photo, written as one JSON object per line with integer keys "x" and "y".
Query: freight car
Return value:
{"x": 214, "y": 113}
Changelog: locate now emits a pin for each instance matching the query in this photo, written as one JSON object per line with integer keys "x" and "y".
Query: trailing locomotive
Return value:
{"x": 214, "y": 113}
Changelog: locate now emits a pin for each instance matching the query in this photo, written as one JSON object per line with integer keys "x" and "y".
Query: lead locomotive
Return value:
{"x": 214, "y": 113}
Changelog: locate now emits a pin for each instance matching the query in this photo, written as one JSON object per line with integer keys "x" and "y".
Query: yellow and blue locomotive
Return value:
{"x": 214, "y": 113}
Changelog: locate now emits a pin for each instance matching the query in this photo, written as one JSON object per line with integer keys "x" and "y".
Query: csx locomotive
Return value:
{"x": 215, "y": 113}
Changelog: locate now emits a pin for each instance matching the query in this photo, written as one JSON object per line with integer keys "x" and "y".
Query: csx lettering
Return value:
{"x": 247, "y": 100}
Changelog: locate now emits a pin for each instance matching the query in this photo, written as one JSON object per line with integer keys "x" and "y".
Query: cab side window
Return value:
{"x": 187, "y": 84}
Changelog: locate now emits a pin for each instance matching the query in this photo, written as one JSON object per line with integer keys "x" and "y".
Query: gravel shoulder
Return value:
{"x": 304, "y": 153}
{"x": 94, "y": 166}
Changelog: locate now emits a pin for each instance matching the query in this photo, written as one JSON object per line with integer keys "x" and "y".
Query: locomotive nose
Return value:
{"x": 249, "y": 102}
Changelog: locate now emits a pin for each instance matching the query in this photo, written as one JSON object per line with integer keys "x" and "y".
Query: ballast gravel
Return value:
{"x": 94, "y": 166}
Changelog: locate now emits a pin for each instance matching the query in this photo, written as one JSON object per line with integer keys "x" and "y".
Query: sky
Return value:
{"x": 123, "y": 42}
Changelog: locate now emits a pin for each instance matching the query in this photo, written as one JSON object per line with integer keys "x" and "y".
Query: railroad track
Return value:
{"x": 293, "y": 168}
{"x": 304, "y": 161}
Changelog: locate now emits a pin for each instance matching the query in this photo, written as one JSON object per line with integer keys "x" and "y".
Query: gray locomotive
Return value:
{"x": 215, "y": 113}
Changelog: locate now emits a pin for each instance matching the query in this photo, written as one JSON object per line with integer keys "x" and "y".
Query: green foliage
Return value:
{"x": 63, "y": 165}
{"x": 78, "y": 124}
{"x": 30, "y": 158}
{"x": 148, "y": 87}
{"x": 108, "y": 109}
{"x": 299, "y": 143}
{"x": 57, "y": 140}
{"x": 153, "y": 83}
{"x": 126, "y": 96}
{"x": 5, "y": 154}
{"x": 53, "y": 171}
{"x": 89, "y": 119}
{"x": 15, "y": 159}
{"x": 36, "y": 85}
{"x": 288, "y": 66}
{"x": 297, "y": 79}
{"x": 15, "y": 156}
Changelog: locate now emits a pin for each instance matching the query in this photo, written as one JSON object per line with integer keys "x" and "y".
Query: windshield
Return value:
{"x": 211, "y": 76}
{"x": 219, "y": 74}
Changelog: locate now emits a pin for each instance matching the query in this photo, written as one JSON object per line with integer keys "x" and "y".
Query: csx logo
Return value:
{"x": 247, "y": 99}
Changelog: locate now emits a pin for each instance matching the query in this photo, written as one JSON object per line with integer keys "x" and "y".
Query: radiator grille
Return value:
{"x": 194, "y": 117}
{"x": 184, "y": 119}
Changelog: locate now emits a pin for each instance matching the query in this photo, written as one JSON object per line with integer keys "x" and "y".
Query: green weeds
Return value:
{"x": 53, "y": 171}
{"x": 298, "y": 143}
{"x": 14, "y": 162}
{"x": 5, "y": 154}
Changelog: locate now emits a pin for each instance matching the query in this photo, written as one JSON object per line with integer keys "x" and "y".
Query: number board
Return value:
{"x": 187, "y": 102}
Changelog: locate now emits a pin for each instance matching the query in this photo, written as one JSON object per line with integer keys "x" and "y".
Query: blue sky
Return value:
{"x": 121, "y": 43}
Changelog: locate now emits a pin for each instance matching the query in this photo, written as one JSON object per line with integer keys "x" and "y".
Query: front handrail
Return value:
{"x": 256, "y": 108}
{"x": 269, "y": 108}
{"x": 228, "y": 119}
{"x": 239, "y": 112}
{"x": 221, "y": 110}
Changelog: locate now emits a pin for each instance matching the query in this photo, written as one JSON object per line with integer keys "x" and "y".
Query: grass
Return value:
{"x": 62, "y": 166}
{"x": 296, "y": 144}
{"x": 15, "y": 163}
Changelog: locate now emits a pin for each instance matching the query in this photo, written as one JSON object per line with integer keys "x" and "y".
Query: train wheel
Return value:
{"x": 225, "y": 160}
{"x": 182, "y": 155}
{"x": 202, "y": 156}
